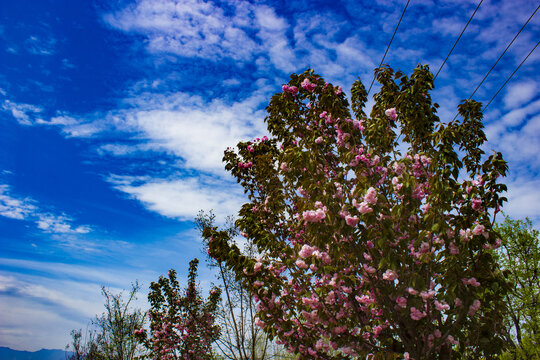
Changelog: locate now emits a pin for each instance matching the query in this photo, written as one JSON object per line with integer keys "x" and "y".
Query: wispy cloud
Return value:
{"x": 190, "y": 28}
{"x": 40, "y": 46}
{"x": 25, "y": 114}
{"x": 183, "y": 198}
{"x": 24, "y": 208}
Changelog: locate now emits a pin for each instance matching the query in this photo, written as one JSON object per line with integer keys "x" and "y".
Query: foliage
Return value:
{"x": 85, "y": 347}
{"x": 181, "y": 323}
{"x": 112, "y": 335}
{"x": 118, "y": 324}
{"x": 365, "y": 250}
{"x": 519, "y": 256}
{"x": 240, "y": 338}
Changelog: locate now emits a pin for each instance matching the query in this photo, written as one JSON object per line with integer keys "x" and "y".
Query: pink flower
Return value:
{"x": 290, "y": 89}
{"x": 391, "y": 113}
{"x": 306, "y": 251}
{"x": 417, "y": 314}
{"x": 352, "y": 220}
{"x": 427, "y": 294}
{"x": 454, "y": 250}
{"x": 259, "y": 323}
{"x": 319, "y": 140}
{"x": 441, "y": 306}
{"x": 301, "y": 264}
{"x": 401, "y": 301}
{"x": 363, "y": 207}
{"x": 377, "y": 330}
{"x": 458, "y": 302}
{"x": 312, "y": 216}
{"x": 283, "y": 167}
{"x": 477, "y": 204}
{"x": 411, "y": 291}
{"x": 478, "y": 230}
{"x": 369, "y": 269}
{"x": 257, "y": 266}
{"x": 371, "y": 196}
{"x": 451, "y": 340}
{"x": 390, "y": 275}
{"x": 474, "y": 307}
{"x": 307, "y": 85}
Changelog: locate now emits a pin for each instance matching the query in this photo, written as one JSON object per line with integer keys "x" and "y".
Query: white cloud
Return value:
{"x": 523, "y": 199}
{"x": 27, "y": 209}
{"x": 25, "y": 114}
{"x": 520, "y": 93}
{"x": 188, "y": 28}
{"x": 183, "y": 198}
{"x": 14, "y": 208}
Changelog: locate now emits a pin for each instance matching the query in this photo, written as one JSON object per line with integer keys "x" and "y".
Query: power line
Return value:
{"x": 496, "y": 62}
{"x": 390, "y": 43}
{"x": 459, "y": 37}
{"x": 507, "y": 80}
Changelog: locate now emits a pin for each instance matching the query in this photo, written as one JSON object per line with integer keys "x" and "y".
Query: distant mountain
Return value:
{"x": 43, "y": 354}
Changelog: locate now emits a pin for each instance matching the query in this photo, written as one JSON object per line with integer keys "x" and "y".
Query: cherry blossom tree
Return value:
{"x": 181, "y": 322}
{"x": 372, "y": 232}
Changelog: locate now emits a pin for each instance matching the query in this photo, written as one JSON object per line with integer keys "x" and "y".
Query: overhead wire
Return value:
{"x": 496, "y": 62}
{"x": 390, "y": 43}
{"x": 510, "y": 77}
{"x": 457, "y": 40}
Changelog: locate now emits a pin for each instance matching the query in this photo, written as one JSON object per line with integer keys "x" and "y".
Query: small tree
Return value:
{"x": 85, "y": 347}
{"x": 240, "y": 338}
{"x": 365, "y": 250}
{"x": 118, "y": 324}
{"x": 519, "y": 256}
{"x": 181, "y": 323}
{"x": 112, "y": 334}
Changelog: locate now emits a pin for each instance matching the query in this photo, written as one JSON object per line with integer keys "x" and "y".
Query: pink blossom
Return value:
{"x": 363, "y": 208}
{"x": 458, "y": 302}
{"x": 391, "y": 113}
{"x": 427, "y": 294}
{"x": 478, "y": 230}
{"x": 319, "y": 140}
{"x": 257, "y": 266}
{"x": 406, "y": 356}
{"x": 301, "y": 264}
{"x": 417, "y": 314}
{"x": 312, "y": 216}
{"x": 369, "y": 269}
{"x": 258, "y": 322}
{"x": 451, "y": 340}
{"x": 352, "y": 220}
{"x": 441, "y": 306}
{"x": 283, "y": 166}
{"x": 306, "y": 251}
{"x": 390, "y": 275}
{"x": 377, "y": 330}
{"x": 411, "y": 291}
{"x": 290, "y": 89}
{"x": 477, "y": 204}
{"x": 371, "y": 196}
{"x": 307, "y": 85}
{"x": 364, "y": 299}
{"x": 401, "y": 301}
{"x": 454, "y": 250}
{"x": 474, "y": 307}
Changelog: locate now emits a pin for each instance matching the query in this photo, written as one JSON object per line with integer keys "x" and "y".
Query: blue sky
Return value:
{"x": 114, "y": 116}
